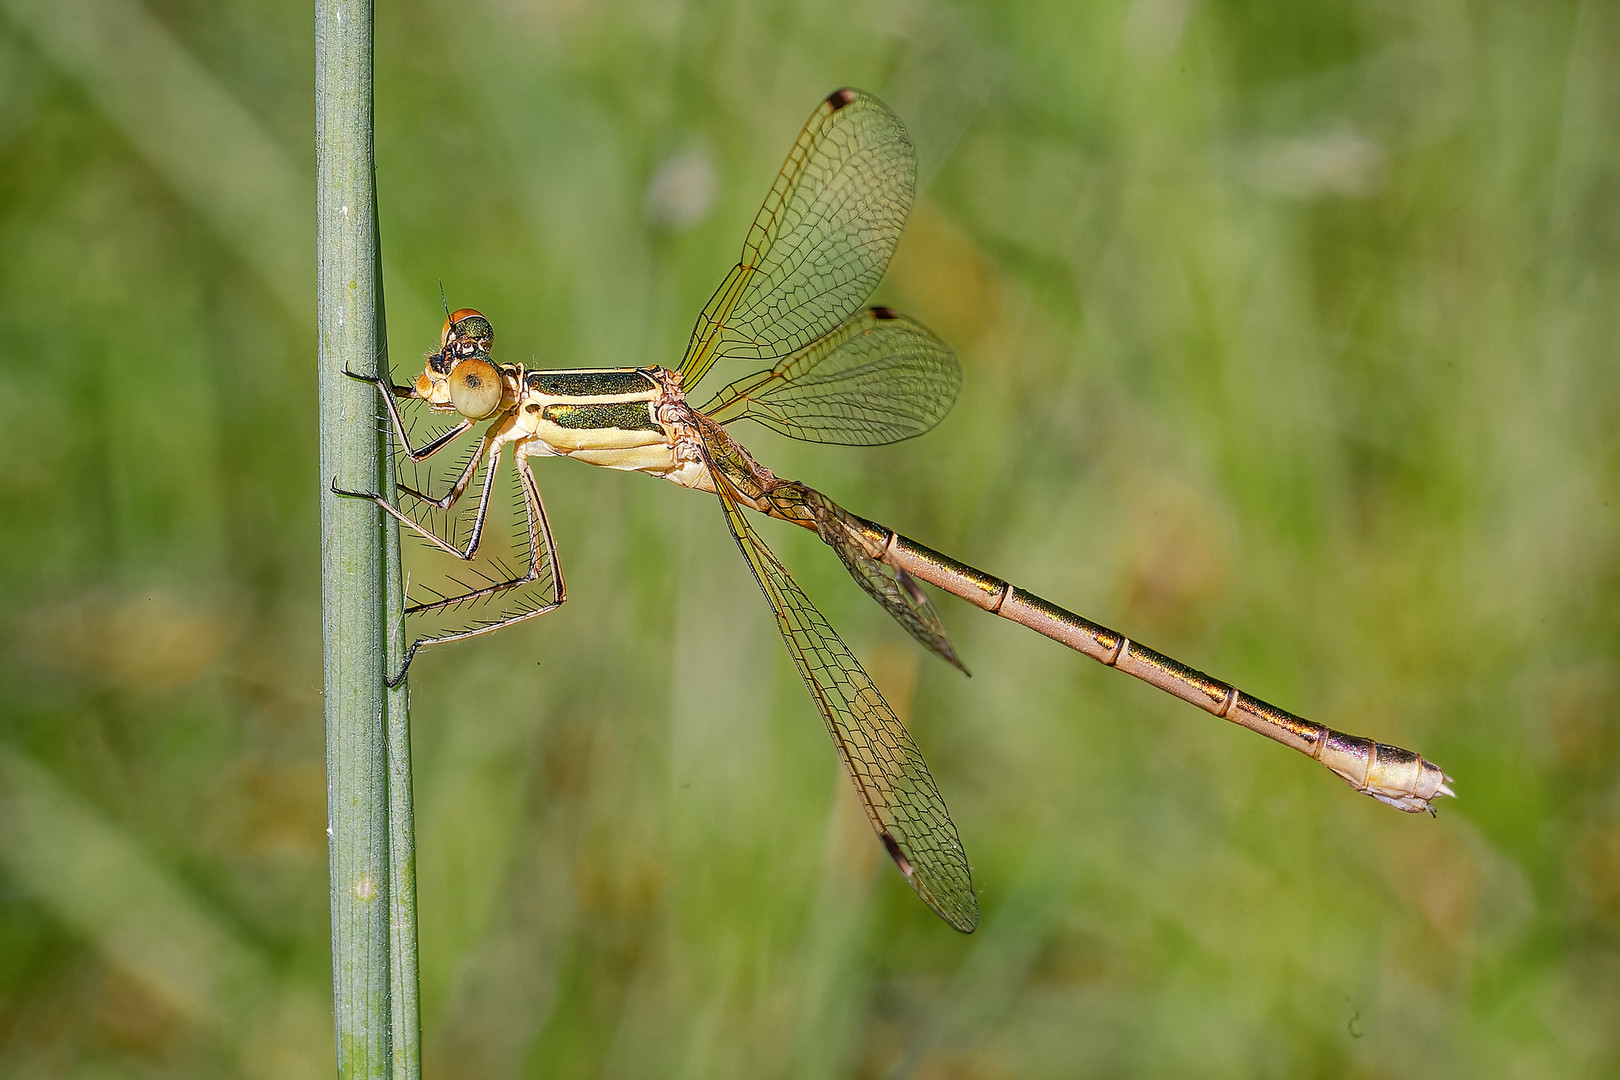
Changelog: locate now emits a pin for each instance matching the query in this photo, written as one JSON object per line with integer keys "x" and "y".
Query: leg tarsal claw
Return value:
{"x": 347, "y": 494}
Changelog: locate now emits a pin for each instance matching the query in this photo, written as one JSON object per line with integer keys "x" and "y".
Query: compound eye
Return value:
{"x": 475, "y": 388}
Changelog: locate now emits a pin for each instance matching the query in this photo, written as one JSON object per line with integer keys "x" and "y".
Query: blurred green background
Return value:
{"x": 1289, "y": 336}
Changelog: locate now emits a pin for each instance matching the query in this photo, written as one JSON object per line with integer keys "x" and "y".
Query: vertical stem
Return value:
{"x": 405, "y": 1022}
{"x": 353, "y": 561}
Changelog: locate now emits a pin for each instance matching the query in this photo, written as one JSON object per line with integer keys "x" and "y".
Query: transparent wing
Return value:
{"x": 821, "y": 241}
{"x": 877, "y": 378}
{"x": 890, "y": 777}
{"x": 890, "y": 586}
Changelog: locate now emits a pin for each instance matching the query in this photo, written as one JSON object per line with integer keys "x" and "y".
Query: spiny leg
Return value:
{"x": 489, "y": 447}
{"x": 389, "y": 392}
{"x": 516, "y": 591}
{"x": 424, "y": 503}
{"x": 467, "y": 553}
{"x": 450, "y": 498}
{"x": 417, "y": 455}
{"x": 539, "y": 525}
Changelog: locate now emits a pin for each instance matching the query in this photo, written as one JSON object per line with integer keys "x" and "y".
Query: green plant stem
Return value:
{"x": 405, "y": 1022}
{"x": 354, "y": 563}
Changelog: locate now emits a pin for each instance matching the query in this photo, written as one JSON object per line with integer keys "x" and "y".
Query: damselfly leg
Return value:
{"x": 391, "y": 392}
{"x": 487, "y": 590}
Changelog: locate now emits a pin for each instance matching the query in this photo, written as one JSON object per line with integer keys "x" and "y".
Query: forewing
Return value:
{"x": 901, "y": 799}
{"x": 877, "y": 378}
{"x": 820, "y": 242}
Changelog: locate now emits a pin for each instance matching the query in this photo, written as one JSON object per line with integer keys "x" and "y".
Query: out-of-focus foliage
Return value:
{"x": 1289, "y": 334}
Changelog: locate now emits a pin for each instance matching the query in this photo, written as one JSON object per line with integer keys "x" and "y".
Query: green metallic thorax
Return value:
{"x": 600, "y": 416}
{"x": 614, "y": 415}
{"x": 592, "y": 384}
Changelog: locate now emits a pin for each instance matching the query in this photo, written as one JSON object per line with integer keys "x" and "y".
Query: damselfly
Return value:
{"x": 832, "y": 373}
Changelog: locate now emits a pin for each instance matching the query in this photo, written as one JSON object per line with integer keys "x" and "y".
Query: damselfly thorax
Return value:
{"x": 629, "y": 419}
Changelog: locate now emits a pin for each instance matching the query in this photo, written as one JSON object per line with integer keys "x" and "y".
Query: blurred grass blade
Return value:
{"x": 99, "y": 883}
{"x": 193, "y": 132}
{"x": 191, "y": 129}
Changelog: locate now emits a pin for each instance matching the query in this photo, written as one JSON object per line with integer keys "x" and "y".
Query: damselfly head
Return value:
{"x": 461, "y": 374}
{"x": 466, "y": 333}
